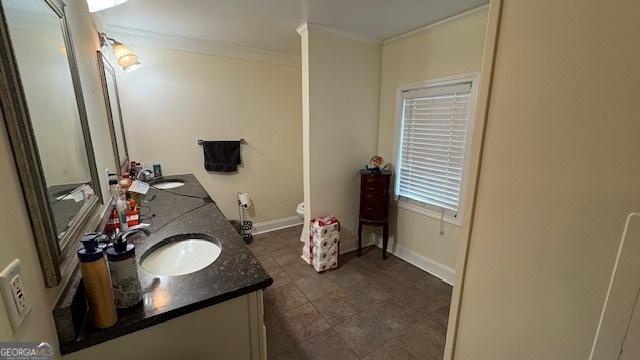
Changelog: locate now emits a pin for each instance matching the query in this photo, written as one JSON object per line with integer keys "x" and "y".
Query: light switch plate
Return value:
{"x": 15, "y": 299}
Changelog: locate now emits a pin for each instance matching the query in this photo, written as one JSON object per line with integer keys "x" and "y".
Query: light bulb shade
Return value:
{"x": 130, "y": 68}
{"x": 99, "y": 5}
{"x": 128, "y": 60}
{"x": 124, "y": 56}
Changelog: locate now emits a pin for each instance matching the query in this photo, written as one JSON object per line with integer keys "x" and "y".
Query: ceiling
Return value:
{"x": 269, "y": 25}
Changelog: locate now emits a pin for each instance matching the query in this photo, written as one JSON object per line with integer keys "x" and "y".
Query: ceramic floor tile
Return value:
{"x": 303, "y": 322}
{"x": 276, "y": 243}
{"x": 326, "y": 345}
{"x": 298, "y": 268}
{"x": 345, "y": 275}
{"x": 316, "y": 286}
{"x": 420, "y": 301}
{"x": 407, "y": 272}
{"x": 363, "y": 265}
{"x": 393, "y": 315}
{"x": 277, "y": 339}
{"x": 334, "y": 306}
{"x": 267, "y": 262}
{"x": 437, "y": 320}
{"x": 258, "y": 248}
{"x": 437, "y": 286}
{"x": 280, "y": 278}
{"x": 393, "y": 350}
{"x": 424, "y": 343}
{"x": 285, "y": 298}
{"x": 290, "y": 354}
{"x": 270, "y": 315}
{"x": 363, "y": 333}
{"x": 369, "y": 307}
{"x": 364, "y": 294}
{"x": 372, "y": 255}
{"x": 389, "y": 283}
{"x": 284, "y": 256}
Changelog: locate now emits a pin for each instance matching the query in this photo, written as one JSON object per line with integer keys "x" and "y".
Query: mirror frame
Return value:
{"x": 57, "y": 256}
{"x": 105, "y": 67}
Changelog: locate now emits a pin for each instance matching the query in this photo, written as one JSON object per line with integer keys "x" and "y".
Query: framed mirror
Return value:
{"x": 114, "y": 112}
{"x": 43, "y": 109}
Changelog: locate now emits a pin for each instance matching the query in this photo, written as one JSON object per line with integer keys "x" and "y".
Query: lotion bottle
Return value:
{"x": 124, "y": 273}
{"x": 97, "y": 283}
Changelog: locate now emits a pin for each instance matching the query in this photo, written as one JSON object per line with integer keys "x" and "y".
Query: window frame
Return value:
{"x": 425, "y": 208}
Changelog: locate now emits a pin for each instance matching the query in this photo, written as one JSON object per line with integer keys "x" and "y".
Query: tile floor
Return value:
{"x": 368, "y": 308}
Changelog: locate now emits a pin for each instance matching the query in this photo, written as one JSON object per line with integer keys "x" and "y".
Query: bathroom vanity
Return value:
{"x": 212, "y": 313}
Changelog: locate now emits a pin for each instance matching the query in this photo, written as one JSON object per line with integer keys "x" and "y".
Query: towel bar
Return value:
{"x": 242, "y": 141}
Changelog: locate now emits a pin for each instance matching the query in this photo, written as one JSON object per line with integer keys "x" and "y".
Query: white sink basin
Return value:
{"x": 168, "y": 185}
{"x": 185, "y": 255}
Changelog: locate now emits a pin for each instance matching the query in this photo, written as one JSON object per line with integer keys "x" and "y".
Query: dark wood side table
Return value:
{"x": 374, "y": 204}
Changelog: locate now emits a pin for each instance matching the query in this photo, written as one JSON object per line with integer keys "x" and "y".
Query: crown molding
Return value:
{"x": 172, "y": 42}
{"x": 437, "y": 23}
{"x": 336, "y": 32}
{"x": 302, "y": 28}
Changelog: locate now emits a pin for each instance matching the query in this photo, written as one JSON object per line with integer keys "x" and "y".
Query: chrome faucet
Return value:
{"x": 122, "y": 236}
{"x": 145, "y": 174}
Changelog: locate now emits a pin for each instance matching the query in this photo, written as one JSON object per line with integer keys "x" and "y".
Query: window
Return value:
{"x": 432, "y": 151}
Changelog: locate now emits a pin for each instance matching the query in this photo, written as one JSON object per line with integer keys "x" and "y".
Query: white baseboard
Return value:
{"x": 444, "y": 272}
{"x": 277, "y": 224}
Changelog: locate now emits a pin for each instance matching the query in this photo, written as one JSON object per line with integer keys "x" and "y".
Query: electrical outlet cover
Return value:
{"x": 13, "y": 294}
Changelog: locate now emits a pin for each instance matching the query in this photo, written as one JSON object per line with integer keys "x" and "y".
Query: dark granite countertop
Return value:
{"x": 236, "y": 272}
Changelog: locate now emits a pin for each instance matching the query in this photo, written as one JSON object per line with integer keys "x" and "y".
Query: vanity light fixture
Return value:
{"x": 99, "y": 5}
{"x": 126, "y": 58}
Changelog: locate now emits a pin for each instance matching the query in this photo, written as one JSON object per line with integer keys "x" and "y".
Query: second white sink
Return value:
{"x": 181, "y": 257}
{"x": 168, "y": 185}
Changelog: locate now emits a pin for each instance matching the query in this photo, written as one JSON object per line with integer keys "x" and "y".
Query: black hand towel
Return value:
{"x": 221, "y": 156}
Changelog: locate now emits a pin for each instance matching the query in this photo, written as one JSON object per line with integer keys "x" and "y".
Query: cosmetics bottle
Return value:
{"x": 133, "y": 215}
{"x": 122, "y": 207}
{"x": 114, "y": 187}
{"x": 97, "y": 282}
{"x": 124, "y": 273}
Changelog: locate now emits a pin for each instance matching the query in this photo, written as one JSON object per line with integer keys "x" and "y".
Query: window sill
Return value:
{"x": 402, "y": 204}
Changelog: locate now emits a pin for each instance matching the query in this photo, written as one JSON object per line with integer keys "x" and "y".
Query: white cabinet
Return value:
{"x": 231, "y": 330}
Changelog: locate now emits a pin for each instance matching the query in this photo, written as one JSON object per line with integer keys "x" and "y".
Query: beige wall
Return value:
{"x": 452, "y": 48}
{"x": 177, "y": 97}
{"x": 342, "y": 85}
{"x": 559, "y": 175}
{"x": 16, "y": 238}
{"x": 631, "y": 347}
{"x": 16, "y": 241}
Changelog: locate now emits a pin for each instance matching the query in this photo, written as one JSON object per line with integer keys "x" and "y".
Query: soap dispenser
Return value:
{"x": 124, "y": 272}
{"x": 97, "y": 285}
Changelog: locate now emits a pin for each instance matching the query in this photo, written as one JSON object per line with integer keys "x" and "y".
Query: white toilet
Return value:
{"x": 300, "y": 210}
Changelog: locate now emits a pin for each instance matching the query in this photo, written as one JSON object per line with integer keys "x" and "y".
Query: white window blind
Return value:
{"x": 432, "y": 145}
